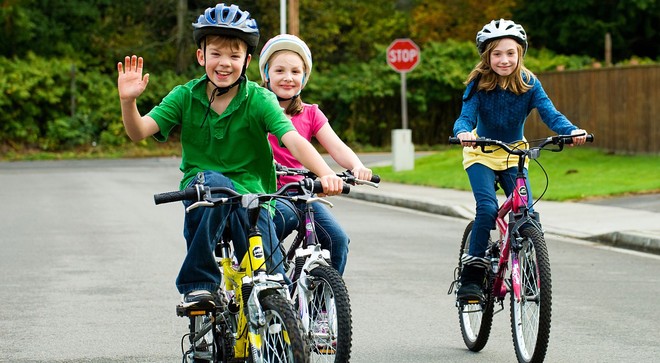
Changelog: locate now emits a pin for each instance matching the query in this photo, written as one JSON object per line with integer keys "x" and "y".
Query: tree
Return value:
{"x": 455, "y": 19}
{"x": 579, "y": 26}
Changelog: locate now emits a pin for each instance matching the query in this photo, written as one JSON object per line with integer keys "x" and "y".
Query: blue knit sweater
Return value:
{"x": 501, "y": 114}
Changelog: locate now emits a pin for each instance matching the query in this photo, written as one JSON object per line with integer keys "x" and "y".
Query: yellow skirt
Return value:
{"x": 496, "y": 160}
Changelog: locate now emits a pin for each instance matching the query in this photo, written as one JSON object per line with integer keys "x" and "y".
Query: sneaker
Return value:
{"x": 470, "y": 291}
{"x": 199, "y": 298}
{"x": 471, "y": 279}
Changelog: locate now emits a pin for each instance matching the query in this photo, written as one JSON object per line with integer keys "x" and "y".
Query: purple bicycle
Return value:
{"x": 318, "y": 291}
{"x": 519, "y": 264}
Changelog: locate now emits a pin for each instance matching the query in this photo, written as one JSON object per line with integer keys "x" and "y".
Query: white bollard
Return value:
{"x": 403, "y": 150}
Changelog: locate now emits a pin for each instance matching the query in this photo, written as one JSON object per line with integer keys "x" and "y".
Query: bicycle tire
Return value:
{"x": 530, "y": 318}
{"x": 329, "y": 297}
{"x": 475, "y": 320}
{"x": 281, "y": 336}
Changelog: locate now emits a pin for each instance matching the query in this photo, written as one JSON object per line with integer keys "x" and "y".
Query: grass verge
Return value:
{"x": 574, "y": 174}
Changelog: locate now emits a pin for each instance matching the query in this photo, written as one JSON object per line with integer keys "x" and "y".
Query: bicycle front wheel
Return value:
{"x": 330, "y": 320}
{"x": 475, "y": 319}
{"x": 281, "y": 336}
{"x": 530, "y": 317}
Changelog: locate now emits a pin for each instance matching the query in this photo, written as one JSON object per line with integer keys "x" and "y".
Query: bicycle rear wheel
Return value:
{"x": 203, "y": 346}
{"x": 330, "y": 316}
{"x": 475, "y": 319}
{"x": 281, "y": 336}
{"x": 530, "y": 317}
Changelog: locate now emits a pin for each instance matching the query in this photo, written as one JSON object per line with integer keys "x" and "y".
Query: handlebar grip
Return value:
{"x": 454, "y": 140}
{"x": 590, "y": 138}
{"x": 168, "y": 197}
{"x": 375, "y": 178}
{"x": 318, "y": 188}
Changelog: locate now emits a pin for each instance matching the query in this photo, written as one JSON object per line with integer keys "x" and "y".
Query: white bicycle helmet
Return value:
{"x": 227, "y": 20}
{"x": 498, "y": 29}
{"x": 285, "y": 42}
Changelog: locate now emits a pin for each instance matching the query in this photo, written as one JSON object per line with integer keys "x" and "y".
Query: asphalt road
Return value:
{"x": 88, "y": 265}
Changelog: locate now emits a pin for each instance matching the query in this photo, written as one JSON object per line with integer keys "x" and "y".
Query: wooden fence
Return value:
{"x": 619, "y": 105}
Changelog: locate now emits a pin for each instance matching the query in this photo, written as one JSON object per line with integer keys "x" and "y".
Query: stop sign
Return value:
{"x": 403, "y": 55}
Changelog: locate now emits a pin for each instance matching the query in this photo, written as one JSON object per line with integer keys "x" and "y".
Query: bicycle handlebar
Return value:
{"x": 559, "y": 140}
{"x": 199, "y": 192}
{"x": 347, "y": 175}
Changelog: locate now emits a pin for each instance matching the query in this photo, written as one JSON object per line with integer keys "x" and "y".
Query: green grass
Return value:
{"x": 574, "y": 174}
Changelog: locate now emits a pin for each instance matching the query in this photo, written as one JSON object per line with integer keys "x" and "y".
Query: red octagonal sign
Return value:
{"x": 403, "y": 55}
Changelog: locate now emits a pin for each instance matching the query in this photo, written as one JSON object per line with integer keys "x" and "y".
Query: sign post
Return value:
{"x": 403, "y": 56}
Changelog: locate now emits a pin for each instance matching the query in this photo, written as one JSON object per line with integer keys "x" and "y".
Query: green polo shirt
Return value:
{"x": 234, "y": 143}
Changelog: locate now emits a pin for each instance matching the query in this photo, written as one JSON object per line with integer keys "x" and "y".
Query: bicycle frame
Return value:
{"x": 515, "y": 207}
{"x": 311, "y": 255}
{"x": 251, "y": 272}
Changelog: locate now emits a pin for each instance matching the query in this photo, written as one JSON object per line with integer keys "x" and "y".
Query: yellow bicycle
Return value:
{"x": 252, "y": 318}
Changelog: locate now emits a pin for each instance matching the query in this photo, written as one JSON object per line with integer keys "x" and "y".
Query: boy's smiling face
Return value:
{"x": 223, "y": 59}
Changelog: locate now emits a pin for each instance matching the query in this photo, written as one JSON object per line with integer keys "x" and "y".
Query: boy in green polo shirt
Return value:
{"x": 224, "y": 121}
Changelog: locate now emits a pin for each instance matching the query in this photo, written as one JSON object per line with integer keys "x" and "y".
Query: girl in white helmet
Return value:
{"x": 285, "y": 63}
{"x": 500, "y": 93}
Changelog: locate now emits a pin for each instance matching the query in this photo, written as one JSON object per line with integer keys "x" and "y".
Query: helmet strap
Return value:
{"x": 280, "y": 99}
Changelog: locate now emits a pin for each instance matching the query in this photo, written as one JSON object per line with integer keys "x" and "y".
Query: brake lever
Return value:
{"x": 366, "y": 182}
{"x": 201, "y": 203}
{"x": 206, "y": 203}
{"x": 320, "y": 200}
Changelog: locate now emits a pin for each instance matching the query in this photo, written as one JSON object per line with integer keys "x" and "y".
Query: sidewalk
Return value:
{"x": 620, "y": 227}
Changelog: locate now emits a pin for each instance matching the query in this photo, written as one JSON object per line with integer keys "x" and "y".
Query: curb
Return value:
{"x": 635, "y": 240}
{"x": 452, "y": 211}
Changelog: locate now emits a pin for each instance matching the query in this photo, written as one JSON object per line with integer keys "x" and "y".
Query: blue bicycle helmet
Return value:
{"x": 498, "y": 29}
{"x": 228, "y": 21}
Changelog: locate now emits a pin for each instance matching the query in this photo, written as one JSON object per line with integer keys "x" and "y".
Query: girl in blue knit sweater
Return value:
{"x": 499, "y": 96}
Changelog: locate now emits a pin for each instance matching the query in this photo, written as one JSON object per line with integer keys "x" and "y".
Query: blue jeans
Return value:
{"x": 203, "y": 229}
{"x": 328, "y": 231}
{"x": 482, "y": 181}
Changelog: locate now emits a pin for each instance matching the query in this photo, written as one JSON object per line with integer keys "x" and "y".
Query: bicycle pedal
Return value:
{"x": 327, "y": 351}
{"x": 469, "y": 308}
{"x": 194, "y": 309}
{"x": 470, "y": 301}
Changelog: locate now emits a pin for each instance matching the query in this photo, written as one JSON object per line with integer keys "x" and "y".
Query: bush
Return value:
{"x": 56, "y": 104}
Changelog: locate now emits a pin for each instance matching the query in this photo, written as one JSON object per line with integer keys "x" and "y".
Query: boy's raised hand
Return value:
{"x": 130, "y": 81}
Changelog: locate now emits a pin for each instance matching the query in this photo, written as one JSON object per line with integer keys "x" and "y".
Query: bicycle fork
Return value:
{"x": 516, "y": 245}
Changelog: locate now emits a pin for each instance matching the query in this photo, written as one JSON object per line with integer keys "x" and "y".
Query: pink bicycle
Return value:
{"x": 520, "y": 248}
